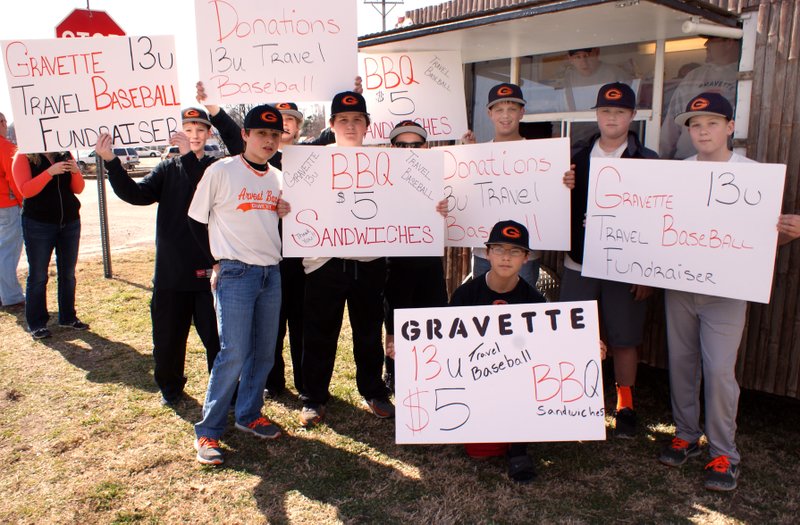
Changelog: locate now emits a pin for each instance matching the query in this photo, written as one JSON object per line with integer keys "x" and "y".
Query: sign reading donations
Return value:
{"x": 362, "y": 202}
{"x": 65, "y": 92}
{"x": 705, "y": 227}
{"x": 520, "y": 180}
{"x": 251, "y": 51}
{"x": 86, "y": 23}
{"x": 425, "y": 87}
{"x": 499, "y": 373}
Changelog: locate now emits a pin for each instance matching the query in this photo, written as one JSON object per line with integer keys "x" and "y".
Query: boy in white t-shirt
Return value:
{"x": 239, "y": 200}
{"x": 704, "y": 331}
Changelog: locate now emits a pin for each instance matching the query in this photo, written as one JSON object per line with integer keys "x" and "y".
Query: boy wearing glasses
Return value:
{"x": 507, "y": 250}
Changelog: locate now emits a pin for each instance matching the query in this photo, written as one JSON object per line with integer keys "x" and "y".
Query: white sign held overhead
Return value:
{"x": 66, "y": 92}
{"x": 251, "y": 51}
{"x": 362, "y": 202}
{"x": 426, "y": 87}
{"x": 499, "y": 373}
{"x": 704, "y": 227}
{"x": 520, "y": 180}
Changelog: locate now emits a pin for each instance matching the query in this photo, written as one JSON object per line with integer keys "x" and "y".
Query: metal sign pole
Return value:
{"x": 102, "y": 205}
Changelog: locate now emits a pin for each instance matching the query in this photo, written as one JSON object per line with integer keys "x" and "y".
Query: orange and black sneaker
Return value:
{"x": 312, "y": 415}
{"x": 678, "y": 452}
{"x": 262, "y": 428}
{"x": 208, "y": 451}
{"x": 721, "y": 474}
{"x": 381, "y": 408}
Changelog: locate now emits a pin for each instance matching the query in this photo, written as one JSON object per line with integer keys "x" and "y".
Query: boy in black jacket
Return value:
{"x": 622, "y": 306}
{"x": 181, "y": 292}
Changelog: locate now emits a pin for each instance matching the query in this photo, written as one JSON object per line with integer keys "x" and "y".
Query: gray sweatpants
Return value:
{"x": 703, "y": 336}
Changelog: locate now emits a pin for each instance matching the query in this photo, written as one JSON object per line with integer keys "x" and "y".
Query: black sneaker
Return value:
{"x": 678, "y": 452}
{"x": 625, "y": 423}
{"x": 171, "y": 401}
{"x": 77, "y": 324}
{"x": 721, "y": 474}
{"x": 41, "y": 333}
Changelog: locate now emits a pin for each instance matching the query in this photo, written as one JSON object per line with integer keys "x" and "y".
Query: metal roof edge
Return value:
{"x": 533, "y": 8}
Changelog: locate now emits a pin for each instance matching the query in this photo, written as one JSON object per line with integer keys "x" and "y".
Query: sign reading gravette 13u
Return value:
{"x": 499, "y": 373}
{"x": 65, "y": 92}
{"x": 425, "y": 87}
{"x": 704, "y": 227}
{"x": 361, "y": 202}
{"x": 520, "y": 180}
{"x": 252, "y": 51}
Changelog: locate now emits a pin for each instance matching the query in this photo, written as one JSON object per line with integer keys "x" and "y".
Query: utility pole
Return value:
{"x": 381, "y": 7}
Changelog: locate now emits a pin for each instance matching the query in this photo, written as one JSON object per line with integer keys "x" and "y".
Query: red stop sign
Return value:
{"x": 83, "y": 22}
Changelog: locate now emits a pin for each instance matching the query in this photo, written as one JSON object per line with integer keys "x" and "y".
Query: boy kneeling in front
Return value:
{"x": 507, "y": 251}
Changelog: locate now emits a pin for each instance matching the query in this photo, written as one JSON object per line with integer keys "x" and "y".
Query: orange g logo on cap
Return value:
{"x": 512, "y": 232}
{"x": 613, "y": 94}
{"x": 505, "y": 91}
{"x": 699, "y": 104}
{"x": 284, "y": 105}
{"x": 191, "y": 113}
{"x": 270, "y": 117}
{"x": 350, "y": 100}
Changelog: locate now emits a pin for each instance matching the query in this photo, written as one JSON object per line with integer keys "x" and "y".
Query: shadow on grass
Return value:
{"x": 146, "y": 288}
{"x": 104, "y": 360}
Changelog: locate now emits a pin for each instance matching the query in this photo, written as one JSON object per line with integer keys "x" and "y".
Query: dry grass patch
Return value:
{"x": 85, "y": 440}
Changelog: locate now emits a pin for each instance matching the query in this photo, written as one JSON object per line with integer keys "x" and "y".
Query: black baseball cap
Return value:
{"x": 706, "y": 104}
{"x": 348, "y": 101}
{"x": 290, "y": 109}
{"x": 616, "y": 95}
{"x": 408, "y": 126}
{"x": 264, "y": 117}
{"x": 505, "y": 92}
{"x": 509, "y": 232}
{"x": 195, "y": 115}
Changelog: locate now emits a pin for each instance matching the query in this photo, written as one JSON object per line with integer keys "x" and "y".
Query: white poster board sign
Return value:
{"x": 65, "y": 92}
{"x": 499, "y": 373}
{"x": 704, "y": 227}
{"x": 362, "y": 202}
{"x": 426, "y": 87}
{"x": 255, "y": 52}
{"x": 495, "y": 181}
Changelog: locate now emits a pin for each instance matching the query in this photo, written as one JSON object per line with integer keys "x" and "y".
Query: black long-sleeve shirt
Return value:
{"x": 180, "y": 263}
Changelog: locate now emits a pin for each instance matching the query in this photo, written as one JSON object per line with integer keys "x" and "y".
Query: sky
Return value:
{"x": 34, "y": 19}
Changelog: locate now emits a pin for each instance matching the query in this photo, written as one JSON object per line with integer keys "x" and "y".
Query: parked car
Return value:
{"x": 170, "y": 152}
{"x": 144, "y": 151}
{"x": 214, "y": 151}
{"x": 127, "y": 156}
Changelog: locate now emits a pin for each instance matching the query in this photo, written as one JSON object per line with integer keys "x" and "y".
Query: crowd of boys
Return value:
{"x": 221, "y": 270}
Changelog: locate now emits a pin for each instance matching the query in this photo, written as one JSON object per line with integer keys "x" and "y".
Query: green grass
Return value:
{"x": 85, "y": 440}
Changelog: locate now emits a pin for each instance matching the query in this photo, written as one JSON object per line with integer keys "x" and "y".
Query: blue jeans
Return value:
{"x": 248, "y": 303}
{"x": 41, "y": 238}
{"x": 10, "y": 250}
{"x": 529, "y": 270}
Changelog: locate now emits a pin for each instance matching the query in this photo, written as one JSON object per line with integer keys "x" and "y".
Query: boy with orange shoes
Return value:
{"x": 704, "y": 332}
{"x": 622, "y": 306}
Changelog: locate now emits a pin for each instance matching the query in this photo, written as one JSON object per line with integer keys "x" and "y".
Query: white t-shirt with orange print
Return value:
{"x": 239, "y": 204}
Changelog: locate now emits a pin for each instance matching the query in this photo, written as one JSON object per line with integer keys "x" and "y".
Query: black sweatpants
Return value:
{"x": 412, "y": 282}
{"x": 360, "y": 285}
{"x": 293, "y": 284}
{"x": 172, "y": 313}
